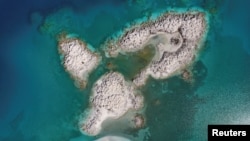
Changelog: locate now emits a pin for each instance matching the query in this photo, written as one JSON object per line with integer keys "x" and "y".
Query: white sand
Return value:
{"x": 78, "y": 60}
{"x": 176, "y": 37}
{"x": 112, "y": 97}
{"x": 113, "y": 138}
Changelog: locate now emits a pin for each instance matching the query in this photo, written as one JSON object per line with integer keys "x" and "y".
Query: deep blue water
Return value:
{"x": 39, "y": 102}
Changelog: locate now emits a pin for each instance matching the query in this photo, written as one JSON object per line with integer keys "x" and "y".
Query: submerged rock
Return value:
{"x": 139, "y": 121}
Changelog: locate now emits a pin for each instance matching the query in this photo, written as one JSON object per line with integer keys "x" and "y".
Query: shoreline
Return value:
{"x": 78, "y": 59}
{"x": 112, "y": 97}
{"x": 184, "y": 32}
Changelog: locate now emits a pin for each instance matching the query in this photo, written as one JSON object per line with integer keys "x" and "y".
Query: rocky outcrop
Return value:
{"x": 111, "y": 97}
{"x": 78, "y": 60}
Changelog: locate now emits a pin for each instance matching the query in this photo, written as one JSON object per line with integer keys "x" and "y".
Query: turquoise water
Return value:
{"x": 39, "y": 102}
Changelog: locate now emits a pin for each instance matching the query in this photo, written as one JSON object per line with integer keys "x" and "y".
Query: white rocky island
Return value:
{"x": 78, "y": 60}
{"x": 177, "y": 38}
{"x": 112, "y": 97}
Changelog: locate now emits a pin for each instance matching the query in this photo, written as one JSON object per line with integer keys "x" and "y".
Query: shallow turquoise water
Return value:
{"x": 39, "y": 101}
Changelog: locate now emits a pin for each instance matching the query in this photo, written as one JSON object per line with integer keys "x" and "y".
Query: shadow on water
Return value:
{"x": 172, "y": 105}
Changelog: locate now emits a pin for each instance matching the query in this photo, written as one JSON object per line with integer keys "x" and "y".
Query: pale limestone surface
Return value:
{"x": 78, "y": 60}
{"x": 176, "y": 37}
{"x": 111, "y": 97}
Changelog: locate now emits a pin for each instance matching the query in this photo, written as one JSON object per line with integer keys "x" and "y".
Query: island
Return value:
{"x": 176, "y": 39}
{"x": 176, "y": 36}
{"x": 78, "y": 59}
{"x": 112, "y": 97}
